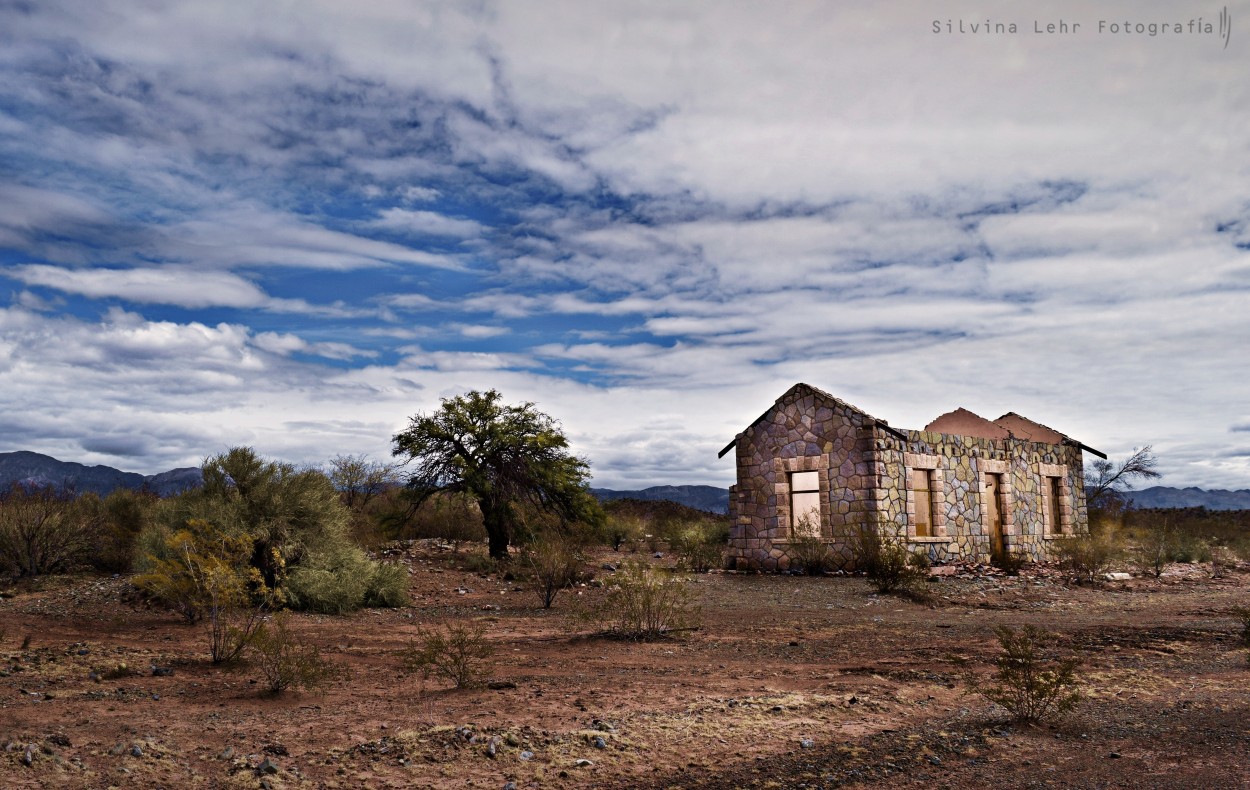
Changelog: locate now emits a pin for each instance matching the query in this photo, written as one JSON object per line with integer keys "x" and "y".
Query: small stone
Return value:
{"x": 527, "y": 755}
{"x": 607, "y": 566}
{"x": 136, "y": 751}
{"x": 227, "y": 753}
{"x": 584, "y": 763}
{"x": 1114, "y": 755}
{"x": 935, "y": 760}
{"x": 162, "y": 672}
{"x": 807, "y": 743}
{"x": 509, "y": 786}
{"x": 28, "y": 757}
{"x": 512, "y": 740}
{"x": 492, "y": 748}
{"x": 267, "y": 766}
{"x": 600, "y": 743}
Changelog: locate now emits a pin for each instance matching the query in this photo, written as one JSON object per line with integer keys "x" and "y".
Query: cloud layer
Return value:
{"x": 293, "y": 228}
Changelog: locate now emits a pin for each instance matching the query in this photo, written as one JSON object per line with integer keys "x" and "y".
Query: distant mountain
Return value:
{"x": 43, "y": 470}
{"x": 709, "y": 498}
{"x": 1166, "y": 496}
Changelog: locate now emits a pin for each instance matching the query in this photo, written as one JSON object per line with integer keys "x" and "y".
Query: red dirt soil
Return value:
{"x": 791, "y": 682}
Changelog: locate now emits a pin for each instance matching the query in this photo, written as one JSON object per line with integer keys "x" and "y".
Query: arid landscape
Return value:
{"x": 789, "y": 682}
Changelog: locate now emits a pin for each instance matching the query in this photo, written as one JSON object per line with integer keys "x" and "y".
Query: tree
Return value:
{"x": 1106, "y": 483}
{"x": 359, "y": 479}
{"x": 507, "y": 457}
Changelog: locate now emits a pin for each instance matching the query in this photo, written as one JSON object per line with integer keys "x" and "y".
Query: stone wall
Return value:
{"x": 862, "y": 468}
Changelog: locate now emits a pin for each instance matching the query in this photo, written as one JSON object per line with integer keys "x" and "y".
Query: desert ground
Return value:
{"x": 789, "y": 682}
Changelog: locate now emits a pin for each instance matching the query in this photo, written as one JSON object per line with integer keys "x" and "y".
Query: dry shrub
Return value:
{"x": 1089, "y": 555}
{"x": 1030, "y": 682}
{"x": 458, "y": 652}
{"x": 285, "y": 661}
{"x": 888, "y": 564}
{"x": 812, "y": 555}
{"x": 551, "y": 563}
{"x": 43, "y": 530}
{"x": 644, "y": 603}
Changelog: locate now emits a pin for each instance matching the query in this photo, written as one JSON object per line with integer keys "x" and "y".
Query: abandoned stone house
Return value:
{"x": 963, "y": 488}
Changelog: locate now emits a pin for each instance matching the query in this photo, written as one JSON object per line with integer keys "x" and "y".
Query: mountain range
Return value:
{"x": 35, "y": 469}
{"x": 42, "y": 470}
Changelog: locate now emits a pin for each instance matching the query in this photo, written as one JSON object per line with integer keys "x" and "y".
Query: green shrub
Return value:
{"x": 644, "y": 603}
{"x": 622, "y": 528}
{"x": 345, "y": 579}
{"x": 285, "y": 661}
{"x": 1031, "y": 684}
{"x": 204, "y": 574}
{"x": 458, "y": 652}
{"x": 699, "y": 545}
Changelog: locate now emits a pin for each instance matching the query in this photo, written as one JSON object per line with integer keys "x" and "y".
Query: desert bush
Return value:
{"x": 699, "y": 545}
{"x": 343, "y": 579}
{"x": 285, "y": 661}
{"x": 550, "y": 563}
{"x": 297, "y": 526}
{"x": 1028, "y": 681}
{"x": 812, "y": 555}
{"x": 1155, "y": 545}
{"x": 454, "y": 518}
{"x": 204, "y": 574}
{"x": 1088, "y": 555}
{"x": 645, "y": 603}
{"x": 887, "y": 562}
{"x": 43, "y": 530}
{"x": 458, "y": 652}
{"x": 1191, "y": 548}
{"x": 621, "y": 528}
{"x": 124, "y": 515}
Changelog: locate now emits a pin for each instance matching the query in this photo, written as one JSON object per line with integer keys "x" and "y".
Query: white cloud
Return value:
{"x": 426, "y": 222}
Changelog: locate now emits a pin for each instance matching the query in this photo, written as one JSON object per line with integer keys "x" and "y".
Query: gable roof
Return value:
{"x": 962, "y": 422}
{"x": 819, "y": 394}
{"x": 1031, "y": 431}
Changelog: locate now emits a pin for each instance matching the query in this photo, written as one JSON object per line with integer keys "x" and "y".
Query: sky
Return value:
{"x": 294, "y": 225}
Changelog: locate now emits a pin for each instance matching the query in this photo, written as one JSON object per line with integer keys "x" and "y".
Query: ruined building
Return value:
{"x": 964, "y": 487}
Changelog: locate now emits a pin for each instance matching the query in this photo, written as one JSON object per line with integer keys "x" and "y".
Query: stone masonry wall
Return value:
{"x": 804, "y": 433}
{"x": 862, "y": 470}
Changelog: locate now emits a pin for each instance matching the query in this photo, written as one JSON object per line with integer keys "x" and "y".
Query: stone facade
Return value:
{"x": 1003, "y": 487}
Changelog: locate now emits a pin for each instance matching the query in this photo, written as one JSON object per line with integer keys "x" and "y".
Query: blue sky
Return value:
{"x": 293, "y": 226}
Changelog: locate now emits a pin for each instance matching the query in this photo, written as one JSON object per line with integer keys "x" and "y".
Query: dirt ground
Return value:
{"x": 791, "y": 682}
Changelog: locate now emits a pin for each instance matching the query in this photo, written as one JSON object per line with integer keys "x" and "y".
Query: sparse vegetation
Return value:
{"x": 700, "y": 544}
{"x": 887, "y": 562}
{"x": 43, "y": 530}
{"x": 644, "y": 603}
{"x": 812, "y": 555}
{"x": 285, "y": 661}
{"x": 1030, "y": 682}
{"x": 203, "y": 573}
{"x": 1088, "y": 555}
{"x": 551, "y": 563}
{"x": 458, "y": 652}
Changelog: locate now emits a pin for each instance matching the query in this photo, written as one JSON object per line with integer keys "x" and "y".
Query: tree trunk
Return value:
{"x": 498, "y": 533}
